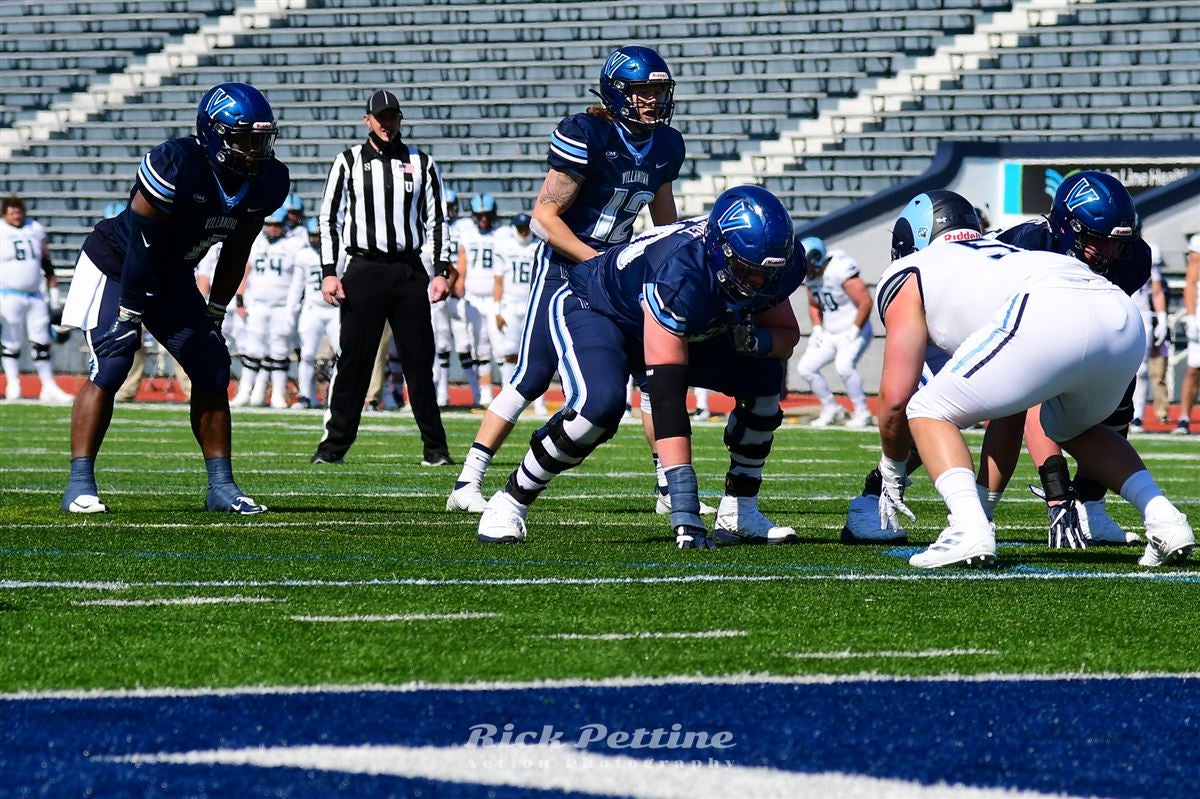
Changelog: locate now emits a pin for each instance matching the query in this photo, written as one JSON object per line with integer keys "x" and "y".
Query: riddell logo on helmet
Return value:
{"x": 960, "y": 235}
{"x": 659, "y": 76}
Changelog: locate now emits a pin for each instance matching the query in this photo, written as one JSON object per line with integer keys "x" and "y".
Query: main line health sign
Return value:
{"x": 1029, "y": 187}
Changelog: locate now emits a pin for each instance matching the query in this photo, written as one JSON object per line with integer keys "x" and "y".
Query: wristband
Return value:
{"x": 442, "y": 269}
{"x": 128, "y": 315}
{"x": 216, "y": 309}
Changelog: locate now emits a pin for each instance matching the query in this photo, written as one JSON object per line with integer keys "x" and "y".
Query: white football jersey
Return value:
{"x": 271, "y": 266}
{"x": 480, "y": 247}
{"x": 514, "y": 261}
{"x": 308, "y": 261}
{"x": 963, "y": 283}
{"x": 1142, "y": 297}
{"x": 837, "y": 309}
{"x": 21, "y": 253}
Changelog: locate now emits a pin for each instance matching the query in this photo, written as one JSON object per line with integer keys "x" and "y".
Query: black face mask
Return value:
{"x": 385, "y": 147}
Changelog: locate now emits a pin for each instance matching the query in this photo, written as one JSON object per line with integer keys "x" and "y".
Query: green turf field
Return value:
{"x": 357, "y": 575}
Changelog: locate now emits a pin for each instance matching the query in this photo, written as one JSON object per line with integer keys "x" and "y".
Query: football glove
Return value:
{"x": 850, "y": 334}
{"x": 216, "y": 316}
{"x": 816, "y": 336}
{"x": 1193, "y": 329}
{"x": 688, "y": 537}
{"x": 122, "y": 338}
{"x": 751, "y": 340}
{"x": 891, "y": 496}
{"x": 1065, "y": 529}
{"x": 1159, "y": 327}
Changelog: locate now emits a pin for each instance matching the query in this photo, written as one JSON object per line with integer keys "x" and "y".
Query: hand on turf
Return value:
{"x": 1065, "y": 528}
{"x": 121, "y": 339}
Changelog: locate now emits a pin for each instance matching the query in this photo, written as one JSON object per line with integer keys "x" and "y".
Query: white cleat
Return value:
{"x": 503, "y": 521}
{"x": 467, "y": 499}
{"x": 862, "y": 524}
{"x": 958, "y": 546}
{"x": 861, "y": 420}
{"x": 829, "y": 414}
{"x": 12, "y": 392}
{"x": 739, "y": 521}
{"x": 53, "y": 395}
{"x": 87, "y": 503}
{"x": 663, "y": 506}
{"x": 1100, "y": 528}
{"x": 1168, "y": 541}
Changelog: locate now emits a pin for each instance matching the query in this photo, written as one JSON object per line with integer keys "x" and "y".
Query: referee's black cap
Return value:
{"x": 382, "y": 100}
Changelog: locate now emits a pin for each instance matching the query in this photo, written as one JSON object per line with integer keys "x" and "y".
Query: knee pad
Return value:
{"x": 566, "y": 440}
{"x": 276, "y": 364}
{"x": 443, "y": 359}
{"x": 41, "y": 352}
{"x": 749, "y": 432}
{"x": 5, "y": 352}
{"x": 466, "y": 359}
{"x": 253, "y": 364}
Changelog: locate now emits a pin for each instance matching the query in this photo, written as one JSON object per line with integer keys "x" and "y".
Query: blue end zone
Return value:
{"x": 1121, "y": 738}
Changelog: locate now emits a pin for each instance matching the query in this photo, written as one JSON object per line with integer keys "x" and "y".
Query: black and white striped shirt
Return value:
{"x": 382, "y": 206}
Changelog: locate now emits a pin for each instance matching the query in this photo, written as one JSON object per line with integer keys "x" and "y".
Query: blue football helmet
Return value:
{"x": 521, "y": 220}
{"x": 235, "y": 124}
{"x": 749, "y": 242}
{"x": 313, "y": 226}
{"x": 930, "y": 215}
{"x": 277, "y": 217}
{"x": 1093, "y": 219}
{"x": 113, "y": 209}
{"x": 633, "y": 67}
{"x": 294, "y": 203}
{"x": 816, "y": 255}
{"x": 483, "y": 204}
{"x": 451, "y": 197}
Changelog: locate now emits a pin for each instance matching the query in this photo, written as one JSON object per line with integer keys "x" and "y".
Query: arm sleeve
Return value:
{"x": 569, "y": 150}
{"x": 333, "y": 213}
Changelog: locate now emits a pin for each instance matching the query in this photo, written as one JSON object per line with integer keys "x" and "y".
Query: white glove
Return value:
{"x": 1160, "y": 328}
{"x": 814, "y": 338}
{"x": 55, "y": 297}
{"x": 891, "y": 497}
{"x": 850, "y": 334}
{"x": 1193, "y": 329}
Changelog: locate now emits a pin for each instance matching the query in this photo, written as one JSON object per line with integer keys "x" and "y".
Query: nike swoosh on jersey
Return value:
{"x": 660, "y": 166}
{"x": 144, "y": 240}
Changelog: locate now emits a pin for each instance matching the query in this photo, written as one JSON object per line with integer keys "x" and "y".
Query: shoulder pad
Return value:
{"x": 569, "y": 143}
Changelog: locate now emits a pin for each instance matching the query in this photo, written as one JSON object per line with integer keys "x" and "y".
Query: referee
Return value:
{"x": 382, "y": 203}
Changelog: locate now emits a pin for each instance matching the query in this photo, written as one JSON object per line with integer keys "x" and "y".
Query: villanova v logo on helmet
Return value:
{"x": 615, "y": 62}
{"x": 219, "y": 102}
{"x": 739, "y": 216}
{"x": 1082, "y": 194}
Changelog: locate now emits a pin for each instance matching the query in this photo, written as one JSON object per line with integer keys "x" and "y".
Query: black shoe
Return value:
{"x": 325, "y": 457}
{"x": 437, "y": 459}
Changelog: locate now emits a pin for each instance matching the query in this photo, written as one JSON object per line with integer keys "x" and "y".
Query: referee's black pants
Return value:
{"x": 378, "y": 291}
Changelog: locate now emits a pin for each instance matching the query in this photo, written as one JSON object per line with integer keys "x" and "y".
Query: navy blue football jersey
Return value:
{"x": 619, "y": 177}
{"x": 1129, "y": 274}
{"x": 177, "y": 178}
{"x": 666, "y": 267}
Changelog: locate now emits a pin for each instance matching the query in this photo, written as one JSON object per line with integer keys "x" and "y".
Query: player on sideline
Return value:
{"x": 444, "y": 333}
{"x": 702, "y": 302}
{"x": 24, "y": 309}
{"x": 605, "y": 165}
{"x": 1036, "y": 327}
{"x": 189, "y": 194}
{"x": 839, "y": 307}
{"x": 476, "y": 289}
{"x": 1191, "y": 379}
{"x": 317, "y": 317}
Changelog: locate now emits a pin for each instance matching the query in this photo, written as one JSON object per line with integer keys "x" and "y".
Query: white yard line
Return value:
{"x": 636, "y": 681}
{"x": 924, "y": 653}
{"x": 558, "y": 767}
{"x": 187, "y": 600}
{"x": 647, "y": 635}
{"x": 398, "y": 617}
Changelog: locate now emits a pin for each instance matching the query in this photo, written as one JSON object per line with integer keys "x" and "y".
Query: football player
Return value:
{"x": 839, "y": 306}
{"x": 1010, "y": 352}
{"x": 24, "y": 308}
{"x": 317, "y": 317}
{"x": 1152, "y": 302}
{"x": 475, "y": 287}
{"x": 138, "y": 267}
{"x": 443, "y": 335}
{"x": 515, "y": 256}
{"x": 293, "y": 223}
{"x": 272, "y": 292}
{"x": 702, "y": 302}
{"x": 1191, "y": 380}
{"x": 605, "y": 166}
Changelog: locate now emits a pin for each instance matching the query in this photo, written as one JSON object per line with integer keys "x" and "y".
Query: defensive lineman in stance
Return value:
{"x": 190, "y": 194}
{"x": 1011, "y": 350}
{"x": 702, "y": 302}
